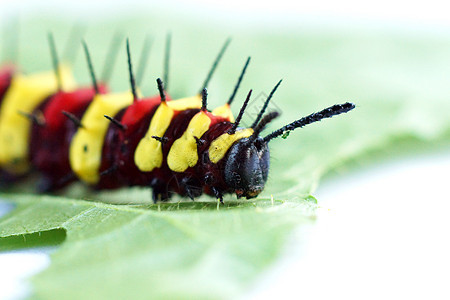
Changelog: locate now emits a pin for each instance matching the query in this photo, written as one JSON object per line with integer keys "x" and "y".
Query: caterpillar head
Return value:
{"x": 247, "y": 164}
{"x": 247, "y": 167}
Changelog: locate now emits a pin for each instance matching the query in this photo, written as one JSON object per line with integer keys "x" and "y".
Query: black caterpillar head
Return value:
{"x": 247, "y": 167}
{"x": 247, "y": 164}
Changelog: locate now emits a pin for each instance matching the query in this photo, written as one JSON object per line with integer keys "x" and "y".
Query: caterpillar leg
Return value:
{"x": 160, "y": 196}
{"x": 209, "y": 181}
{"x": 6, "y": 178}
{"x": 48, "y": 184}
{"x": 159, "y": 191}
{"x": 218, "y": 194}
{"x": 192, "y": 188}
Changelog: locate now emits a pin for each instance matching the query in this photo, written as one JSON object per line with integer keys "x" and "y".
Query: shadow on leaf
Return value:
{"x": 210, "y": 205}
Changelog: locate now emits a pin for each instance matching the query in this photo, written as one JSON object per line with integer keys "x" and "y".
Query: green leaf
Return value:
{"x": 157, "y": 250}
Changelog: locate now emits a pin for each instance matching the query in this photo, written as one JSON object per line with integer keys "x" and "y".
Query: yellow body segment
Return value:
{"x": 186, "y": 103}
{"x": 25, "y": 93}
{"x": 220, "y": 145}
{"x": 149, "y": 153}
{"x": 224, "y": 111}
{"x": 85, "y": 152}
{"x": 183, "y": 153}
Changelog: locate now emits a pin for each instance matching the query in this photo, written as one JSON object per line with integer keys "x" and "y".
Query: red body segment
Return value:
{"x": 173, "y": 182}
{"x": 120, "y": 145}
{"x": 212, "y": 173}
{"x": 140, "y": 109}
{"x": 49, "y": 144}
{"x": 6, "y": 76}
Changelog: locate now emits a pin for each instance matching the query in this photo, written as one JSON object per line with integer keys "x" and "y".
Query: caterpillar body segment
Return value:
{"x": 50, "y": 144}
{"x": 121, "y": 147}
{"x": 111, "y": 140}
{"x": 6, "y": 74}
{"x": 24, "y": 94}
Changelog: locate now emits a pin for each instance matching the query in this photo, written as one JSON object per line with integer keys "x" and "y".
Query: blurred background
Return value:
{"x": 381, "y": 224}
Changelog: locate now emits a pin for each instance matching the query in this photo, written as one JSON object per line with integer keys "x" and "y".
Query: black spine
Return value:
{"x": 71, "y": 49}
{"x": 241, "y": 114}
{"x": 204, "y": 99}
{"x": 109, "y": 171}
{"x": 11, "y": 33}
{"x": 167, "y": 59}
{"x": 266, "y": 103}
{"x": 236, "y": 87}
{"x": 162, "y": 140}
{"x": 36, "y": 119}
{"x": 215, "y": 64}
{"x": 73, "y": 118}
{"x": 312, "y": 118}
{"x": 111, "y": 56}
{"x": 116, "y": 122}
{"x": 143, "y": 59}
{"x": 55, "y": 61}
{"x": 91, "y": 68}
{"x": 130, "y": 70}
{"x": 162, "y": 94}
{"x": 264, "y": 121}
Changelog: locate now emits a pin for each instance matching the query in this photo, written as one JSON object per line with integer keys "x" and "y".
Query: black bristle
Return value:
{"x": 10, "y": 40}
{"x": 216, "y": 62}
{"x": 241, "y": 114}
{"x": 111, "y": 56}
{"x": 236, "y": 87}
{"x": 71, "y": 49}
{"x": 312, "y": 118}
{"x": 162, "y": 140}
{"x": 73, "y": 118}
{"x": 36, "y": 119}
{"x": 199, "y": 141}
{"x": 116, "y": 123}
{"x": 167, "y": 59}
{"x": 91, "y": 68}
{"x": 162, "y": 94}
{"x": 204, "y": 99}
{"x": 110, "y": 170}
{"x": 55, "y": 61}
{"x": 218, "y": 194}
{"x": 266, "y": 103}
{"x": 143, "y": 59}
{"x": 130, "y": 71}
{"x": 262, "y": 124}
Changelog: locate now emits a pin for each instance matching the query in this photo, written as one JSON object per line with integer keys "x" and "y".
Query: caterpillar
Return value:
{"x": 111, "y": 140}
